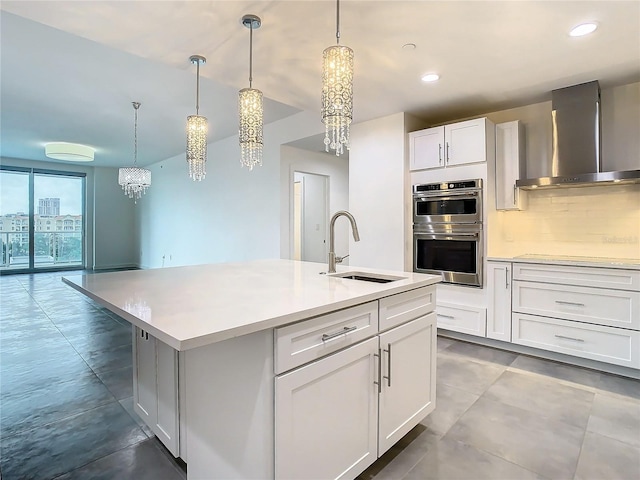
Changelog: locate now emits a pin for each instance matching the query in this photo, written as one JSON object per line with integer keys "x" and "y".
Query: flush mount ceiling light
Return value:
{"x": 250, "y": 109}
{"x": 337, "y": 92}
{"x": 583, "y": 29}
{"x": 72, "y": 152}
{"x": 134, "y": 180}
{"x": 430, "y": 77}
{"x": 197, "y": 131}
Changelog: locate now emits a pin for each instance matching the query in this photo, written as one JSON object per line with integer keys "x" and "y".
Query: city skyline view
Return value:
{"x": 14, "y": 192}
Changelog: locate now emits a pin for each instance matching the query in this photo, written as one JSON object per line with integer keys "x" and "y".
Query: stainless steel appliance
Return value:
{"x": 447, "y": 231}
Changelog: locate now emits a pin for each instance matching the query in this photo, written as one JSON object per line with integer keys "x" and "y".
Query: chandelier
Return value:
{"x": 337, "y": 92}
{"x": 197, "y": 131}
{"x": 250, "y": 109}
{"x": 134, "y": 180}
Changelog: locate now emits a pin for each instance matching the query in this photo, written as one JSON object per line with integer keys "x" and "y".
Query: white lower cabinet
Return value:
{"x": 499, "y": 308}
{"x": 461, "y": 318}
{"x": 336, "y": 415}
{"x": 408, "y": 378}
{"x": 327, "y": 415}
{"x": 155, "y": 388}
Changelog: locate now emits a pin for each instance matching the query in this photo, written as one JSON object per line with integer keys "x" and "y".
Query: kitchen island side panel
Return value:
{"x": 230, "y": 408}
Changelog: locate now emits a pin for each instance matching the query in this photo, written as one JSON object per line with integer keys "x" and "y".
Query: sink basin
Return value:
{"x": 367, "y": 277}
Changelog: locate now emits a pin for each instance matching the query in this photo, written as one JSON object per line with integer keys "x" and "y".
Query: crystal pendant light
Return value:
{"x": 250, "y": 109}
{"x": 134, "y": 180}
{"x": 337, "y": 92}
{"x": 197, "y": 131}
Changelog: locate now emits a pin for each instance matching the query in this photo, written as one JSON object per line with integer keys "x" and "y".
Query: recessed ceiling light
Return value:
{"x": 73, "y": 152}
{"x": 583, "y": 29}
{"x": 409, "y": 46}
{"x": 430, "y": 77}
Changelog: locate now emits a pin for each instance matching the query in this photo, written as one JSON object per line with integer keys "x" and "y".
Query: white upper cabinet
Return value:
{"x": 510, "y": 165}
{"x": 450, "y": 145}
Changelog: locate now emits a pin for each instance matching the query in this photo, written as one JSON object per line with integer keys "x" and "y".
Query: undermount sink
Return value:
{"x": 367, "y": 277}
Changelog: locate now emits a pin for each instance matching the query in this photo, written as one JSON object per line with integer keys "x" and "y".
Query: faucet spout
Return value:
{"x": 356, "y": 237}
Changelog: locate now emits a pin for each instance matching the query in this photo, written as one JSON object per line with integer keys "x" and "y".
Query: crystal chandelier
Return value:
{"x": 250, "y": 109}
{"x": 134, "y": 180}
{"x": 337, "y": 92}
{"x": 197, "y": 131}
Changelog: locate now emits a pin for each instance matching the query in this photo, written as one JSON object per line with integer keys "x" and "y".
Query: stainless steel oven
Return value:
{"x": 448, "y": 202}
{"x": 447, "y": 231}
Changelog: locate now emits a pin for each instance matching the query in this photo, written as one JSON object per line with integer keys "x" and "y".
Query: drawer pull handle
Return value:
{"x": 344, "y": 331}
{"x": 388, "y": 376}
{"x": 570, "y": 338}
{"x": 446, "y": 316}
{"x": 560, "y": 302}
{"x": 379, "y": 382}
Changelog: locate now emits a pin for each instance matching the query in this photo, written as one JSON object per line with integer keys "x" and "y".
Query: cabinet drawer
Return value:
{"x": 580, "y": 276}
{"x": 311, "y": 339}
{"x": 406, "y": 306}
{"x": 462, "y": 318}
{"x": 604, "y": 344}
{"x": 616, "y": 308}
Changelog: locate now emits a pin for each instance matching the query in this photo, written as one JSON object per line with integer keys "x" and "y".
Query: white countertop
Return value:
{"x": 188, "y": 307}
{"x": 602, "y": 262}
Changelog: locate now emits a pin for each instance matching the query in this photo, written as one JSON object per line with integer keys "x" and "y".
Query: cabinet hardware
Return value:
{"x": 514, "y": 194}
{"x": 439, "y": 154}
{"x": 560, "y": 302}
{"x": 445, "y": 316}
{"x": 379, "y": 382}
{"x": 446, "y": 150}
{"x": 506, "y": 277}
{"x": 570, "y": 338}
{"x": 344, "y": 331}
{"x": 388, "y": 376}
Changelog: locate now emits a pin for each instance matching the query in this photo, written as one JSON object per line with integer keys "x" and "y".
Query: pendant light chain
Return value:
{"x": 338, "y": 22}
{"x": 136, "y": 105}
{"x": 250, "y": 54}
{"x": 198, "y": 88}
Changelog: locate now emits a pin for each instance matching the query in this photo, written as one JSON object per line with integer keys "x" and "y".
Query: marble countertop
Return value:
{"x": 602, "y": 262}
{"x": 192, "y": 306}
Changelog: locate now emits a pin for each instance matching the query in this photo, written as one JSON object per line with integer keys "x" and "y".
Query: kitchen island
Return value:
{"x": 274, "y": 369}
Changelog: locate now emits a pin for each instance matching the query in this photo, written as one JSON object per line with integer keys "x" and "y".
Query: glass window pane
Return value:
{"x": 14, "y": 212}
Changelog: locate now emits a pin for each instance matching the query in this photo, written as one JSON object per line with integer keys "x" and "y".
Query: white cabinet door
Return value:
{"x": 409, "y": 373}
{"x": 510, "y": 165}
{"x": 426, "y": 148}
{"x": 326, "y": 416}
{"x": 499, "y": 310}
{"x": 155, "y": 388}
{"x": 465, "y": 142}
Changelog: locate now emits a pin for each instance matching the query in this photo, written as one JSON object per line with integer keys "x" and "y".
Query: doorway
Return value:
{"x": 310, "y": 216}
{"x": 43, "y": 220}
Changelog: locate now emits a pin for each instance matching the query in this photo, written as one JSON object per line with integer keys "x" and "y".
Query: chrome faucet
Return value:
{"x": 332, "y": 254}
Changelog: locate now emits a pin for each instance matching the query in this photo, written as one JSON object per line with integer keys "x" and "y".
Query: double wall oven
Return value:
{"x": 447, "y": 231}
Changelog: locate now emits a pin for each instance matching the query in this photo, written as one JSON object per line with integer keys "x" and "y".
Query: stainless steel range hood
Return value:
{"x": 576, "y": 144}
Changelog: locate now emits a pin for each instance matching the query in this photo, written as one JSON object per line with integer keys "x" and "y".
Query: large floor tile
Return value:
{"x": 605, "y": 458}
{"x": 616, "y": 417}
{"x": 403, "y": 456}
{"x": 453, "y": 460}
{"x": 119, "y": 382}
{"x": 444, "y": 343}
{"x": 628, "y": 387}
{"x": 451, "y": 403}
{"x": 480, "y": 352}
{"x": 465, "y": 374}
{"x": 543, "y": 396}
{"x": 557, "y": 370}
{"x": 49, "y": 353}
{"x": 63, "y": 446}
{"x": 142, "y": 461}
{"x": 85, "y": 345}
{"x": 109, "y": 358}
{"x": 27, "y": 409}
{"x": 547, "y": 447}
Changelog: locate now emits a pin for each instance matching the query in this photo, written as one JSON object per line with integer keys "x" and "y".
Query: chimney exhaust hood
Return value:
{"x": 576, "y": 144}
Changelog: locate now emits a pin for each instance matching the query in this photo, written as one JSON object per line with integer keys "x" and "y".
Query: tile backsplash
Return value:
{"x": 601, "y": 221}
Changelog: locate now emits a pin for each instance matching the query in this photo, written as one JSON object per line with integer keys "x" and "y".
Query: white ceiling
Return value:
{"x": 70, "y": 69}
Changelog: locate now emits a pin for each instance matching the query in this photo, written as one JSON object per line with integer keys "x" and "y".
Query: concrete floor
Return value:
{"x": 66, "y": 406}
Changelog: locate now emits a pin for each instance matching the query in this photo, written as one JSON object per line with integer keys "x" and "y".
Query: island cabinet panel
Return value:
{"x": 155, "y": 388}
{"x": 327, "y": 416}
{"x": 408, "y": 378}
{"x": 499, "y": 308}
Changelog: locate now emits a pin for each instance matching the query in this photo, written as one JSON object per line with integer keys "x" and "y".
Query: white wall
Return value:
{"x": 114, "y": 222}
{"x": 337, "y": 169}
{"x": 379, "y": 191}
{"x": 232, "y": 215}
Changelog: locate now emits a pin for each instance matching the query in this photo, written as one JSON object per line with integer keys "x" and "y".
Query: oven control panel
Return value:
{"x": 445, "y": 186}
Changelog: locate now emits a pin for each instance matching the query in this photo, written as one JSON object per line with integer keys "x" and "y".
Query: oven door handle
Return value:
{"x": 446, "y": 236}
{"x": 443, "y": 196}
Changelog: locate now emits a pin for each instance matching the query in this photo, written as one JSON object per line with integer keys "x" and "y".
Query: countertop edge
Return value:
{"x": 609, "y": 263}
